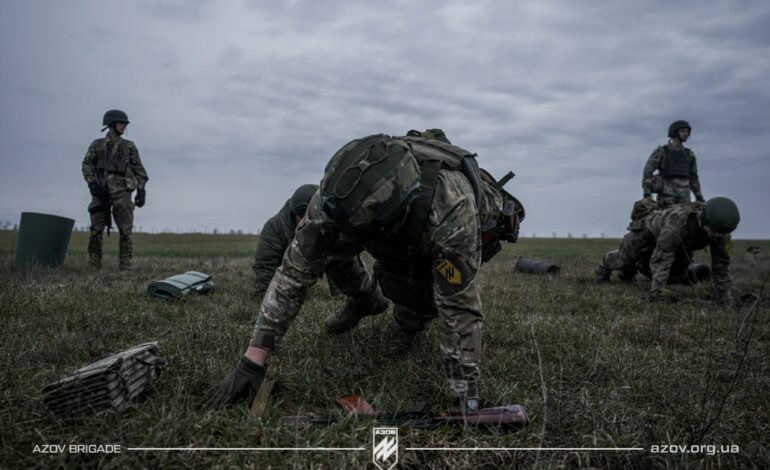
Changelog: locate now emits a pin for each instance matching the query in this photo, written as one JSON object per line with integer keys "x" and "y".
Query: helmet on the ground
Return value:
{"x": 301, "y": 197}
{"x": 435, "y": 134}
{"x": 720, "y": 214}
{"x": 675, "y": 126}
{"x": 114, "y": 115}
{"x": 369, "y": 182}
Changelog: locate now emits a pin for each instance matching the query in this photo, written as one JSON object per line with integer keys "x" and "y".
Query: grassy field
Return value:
{"x": 594, "y": 365}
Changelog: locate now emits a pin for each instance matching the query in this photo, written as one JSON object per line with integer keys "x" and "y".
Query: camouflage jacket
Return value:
{"x": 679, "y": 227}
{"x": 451, "y": 237}
{"x": 674, "y": 190}
{"x": 116, "y": 166}
{"x": 276, "y": 235}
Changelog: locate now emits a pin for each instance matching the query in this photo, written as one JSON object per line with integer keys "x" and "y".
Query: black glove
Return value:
{"x": 95, "y": 189}
{"x": 139, "y": 199}
{"x": 700, "y": 198}
{"x": 242, "y": 384}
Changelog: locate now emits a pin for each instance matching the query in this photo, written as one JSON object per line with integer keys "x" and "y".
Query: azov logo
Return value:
{"x": 385, "y": 448}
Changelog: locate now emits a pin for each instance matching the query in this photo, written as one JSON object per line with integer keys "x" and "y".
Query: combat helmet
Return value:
{"x": 720, "y": 214}
{"x": 114, "y": 115}
{"x": 675, "y": 126}
{"x": 301, "y": 197}
{"x": 369, "y": 182}
{"x": 435, "y": 134}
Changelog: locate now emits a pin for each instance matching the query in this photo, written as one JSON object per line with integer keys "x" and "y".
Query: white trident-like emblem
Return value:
{"x": 385, "y": 448}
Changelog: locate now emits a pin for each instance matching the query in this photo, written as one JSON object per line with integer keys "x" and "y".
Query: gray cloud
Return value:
{"x": 235, "y": 104}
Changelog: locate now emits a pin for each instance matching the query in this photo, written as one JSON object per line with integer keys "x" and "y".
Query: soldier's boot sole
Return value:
{"x": 335, "y": 326}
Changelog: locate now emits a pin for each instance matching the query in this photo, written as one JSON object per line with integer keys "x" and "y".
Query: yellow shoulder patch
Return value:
{"x": 450, "y": 272}
{"x": 729, "y": 247}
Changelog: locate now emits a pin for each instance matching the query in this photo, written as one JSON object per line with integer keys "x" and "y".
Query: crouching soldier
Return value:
{"x": 416, "y": 204}
{"x": 276, "y": 236}
{"x": 661, "y": 245}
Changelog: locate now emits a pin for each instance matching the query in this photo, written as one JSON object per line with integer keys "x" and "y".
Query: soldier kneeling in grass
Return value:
{"x": 417, "y": 204}
{"x": 658, "y": 243}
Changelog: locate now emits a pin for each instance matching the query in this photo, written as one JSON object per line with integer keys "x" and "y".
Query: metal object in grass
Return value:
{"x": 509, "y": 417}
{"x": 42, "y": 240}
{"x": 533, "y": 266}
{"x": 110, "y": 383}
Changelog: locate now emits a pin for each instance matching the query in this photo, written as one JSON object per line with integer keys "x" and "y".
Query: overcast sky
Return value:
{"x": 233, "y": 104}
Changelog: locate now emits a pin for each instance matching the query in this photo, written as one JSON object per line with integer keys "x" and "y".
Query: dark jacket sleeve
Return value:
{"x": 272, "y": 244}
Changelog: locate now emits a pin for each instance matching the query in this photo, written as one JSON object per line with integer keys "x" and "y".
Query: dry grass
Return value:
{"x": 616, "y": 370}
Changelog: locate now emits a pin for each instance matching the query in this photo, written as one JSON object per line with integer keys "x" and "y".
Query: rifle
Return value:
{"x": 104, "y": 206}
{"x": 511, "y": 417}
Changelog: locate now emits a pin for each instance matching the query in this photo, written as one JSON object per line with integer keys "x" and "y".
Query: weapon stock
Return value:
{"x": 506, "y": 417}
{"x": 504, "y": 180}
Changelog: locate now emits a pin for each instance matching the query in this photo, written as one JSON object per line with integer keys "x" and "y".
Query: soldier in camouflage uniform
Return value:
{"x": 416, "y": 204}
{"x": 112, "y": 169}
{"x": 661, "y": 245}
{"x": 276, "y": 236}
{"x": 677, "y": 171}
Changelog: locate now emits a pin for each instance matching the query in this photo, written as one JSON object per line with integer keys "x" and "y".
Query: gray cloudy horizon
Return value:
{"x": 235, "y": 104}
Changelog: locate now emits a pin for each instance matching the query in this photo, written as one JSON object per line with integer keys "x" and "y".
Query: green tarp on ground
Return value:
{"x": 176, "y": 287}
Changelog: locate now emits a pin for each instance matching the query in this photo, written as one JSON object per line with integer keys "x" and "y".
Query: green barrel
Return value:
{"x": 42, "y": 239}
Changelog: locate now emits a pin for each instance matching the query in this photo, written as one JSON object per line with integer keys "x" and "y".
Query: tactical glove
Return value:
{"x": 95, "y": 189}
{"x": 700, "y": 198}
{"x": 139, "y": 199}
{"x": 242, "y": 384}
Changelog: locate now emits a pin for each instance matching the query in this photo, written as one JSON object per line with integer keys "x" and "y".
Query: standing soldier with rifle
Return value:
{"x": 417, "y": 204}
{"x": 112, "y": 169}
{"x": 677, "y": 171}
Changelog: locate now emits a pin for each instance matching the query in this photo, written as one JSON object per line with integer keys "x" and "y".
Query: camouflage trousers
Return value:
{"x": 102, "y": 211}
{"x": 637, "y": 255}
{"x": 459, "y": 331}
{"x": 632, "y": 256}
{"x": 674, "y": 191}
{"x": 414, "y": 307}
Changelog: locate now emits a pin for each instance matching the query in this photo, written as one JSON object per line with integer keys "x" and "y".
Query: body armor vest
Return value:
{"x": 110, "y": 159}
{"x": 675, "y": 163}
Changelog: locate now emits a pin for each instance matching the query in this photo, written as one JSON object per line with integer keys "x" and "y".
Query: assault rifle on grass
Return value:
{"x": 509, "y": 417}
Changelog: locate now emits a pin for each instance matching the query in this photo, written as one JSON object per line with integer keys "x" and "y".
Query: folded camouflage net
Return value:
{"x": 110, "y": 383}
{"x": 176, "y": 287}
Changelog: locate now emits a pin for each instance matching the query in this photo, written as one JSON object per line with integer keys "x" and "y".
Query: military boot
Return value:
{"x": 602, "y": 273}
{"x": 95, "y": 250}
{"x": 126, "y": 252}
{"x": 354, "y": 310}
{"x": 627, "y": 277}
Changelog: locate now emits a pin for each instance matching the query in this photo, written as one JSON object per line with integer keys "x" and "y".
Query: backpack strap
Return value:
{"x": 429, "y": 170}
